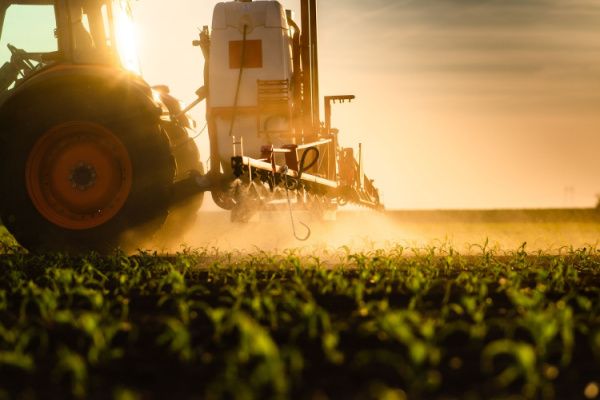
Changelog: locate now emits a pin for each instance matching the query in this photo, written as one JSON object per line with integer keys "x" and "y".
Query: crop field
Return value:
{"x": 399, "y": 322}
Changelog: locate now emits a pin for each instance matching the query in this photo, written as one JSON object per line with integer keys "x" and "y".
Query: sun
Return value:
{"x": 125, "y": 32}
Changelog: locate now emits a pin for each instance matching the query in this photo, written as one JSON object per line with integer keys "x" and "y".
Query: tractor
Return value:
{"x": 92, "y": 157}
{"x": 89, "y": 151}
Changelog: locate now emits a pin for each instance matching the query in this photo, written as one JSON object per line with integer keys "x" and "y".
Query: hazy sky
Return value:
{"x": 460, "y": 103}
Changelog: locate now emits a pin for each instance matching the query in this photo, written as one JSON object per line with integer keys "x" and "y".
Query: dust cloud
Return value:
{"x": 542, "y": 230}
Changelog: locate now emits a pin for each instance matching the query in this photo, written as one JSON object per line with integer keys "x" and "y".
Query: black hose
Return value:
{"x": 303, "y": 167}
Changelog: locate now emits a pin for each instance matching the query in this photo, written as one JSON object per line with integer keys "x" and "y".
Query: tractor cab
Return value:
{"x": 96, "y": 32}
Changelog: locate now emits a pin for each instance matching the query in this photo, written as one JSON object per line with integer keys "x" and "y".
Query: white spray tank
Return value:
{"x": 250, "y": 99}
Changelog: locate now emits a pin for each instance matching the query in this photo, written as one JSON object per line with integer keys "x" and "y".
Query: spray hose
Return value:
{"x": 293, "y": 185}
{"x": 287, "y": 194}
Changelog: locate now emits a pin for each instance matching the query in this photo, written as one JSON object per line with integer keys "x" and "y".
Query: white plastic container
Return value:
{"x": 260, "y": 120}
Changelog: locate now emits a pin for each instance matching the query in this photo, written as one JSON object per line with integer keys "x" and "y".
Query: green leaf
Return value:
{"x": 17, "y": 359}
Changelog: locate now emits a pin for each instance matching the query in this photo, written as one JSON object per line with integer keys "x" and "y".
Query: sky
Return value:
{"x": 460, "y": 103}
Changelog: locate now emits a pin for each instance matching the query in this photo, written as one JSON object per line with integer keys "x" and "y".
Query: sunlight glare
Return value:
{"x": 126, "y": 36}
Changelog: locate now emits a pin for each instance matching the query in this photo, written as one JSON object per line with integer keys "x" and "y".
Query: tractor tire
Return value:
{"x": 84, "y": 167}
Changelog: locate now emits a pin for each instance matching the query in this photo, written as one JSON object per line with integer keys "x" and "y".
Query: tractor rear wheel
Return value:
{"x": 90, "y": 170}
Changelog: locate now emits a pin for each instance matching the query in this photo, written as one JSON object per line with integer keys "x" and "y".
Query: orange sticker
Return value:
{"x": 252, "y": 52}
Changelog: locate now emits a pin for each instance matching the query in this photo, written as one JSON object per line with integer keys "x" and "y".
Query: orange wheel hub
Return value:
{"x": 79, "y": 175}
